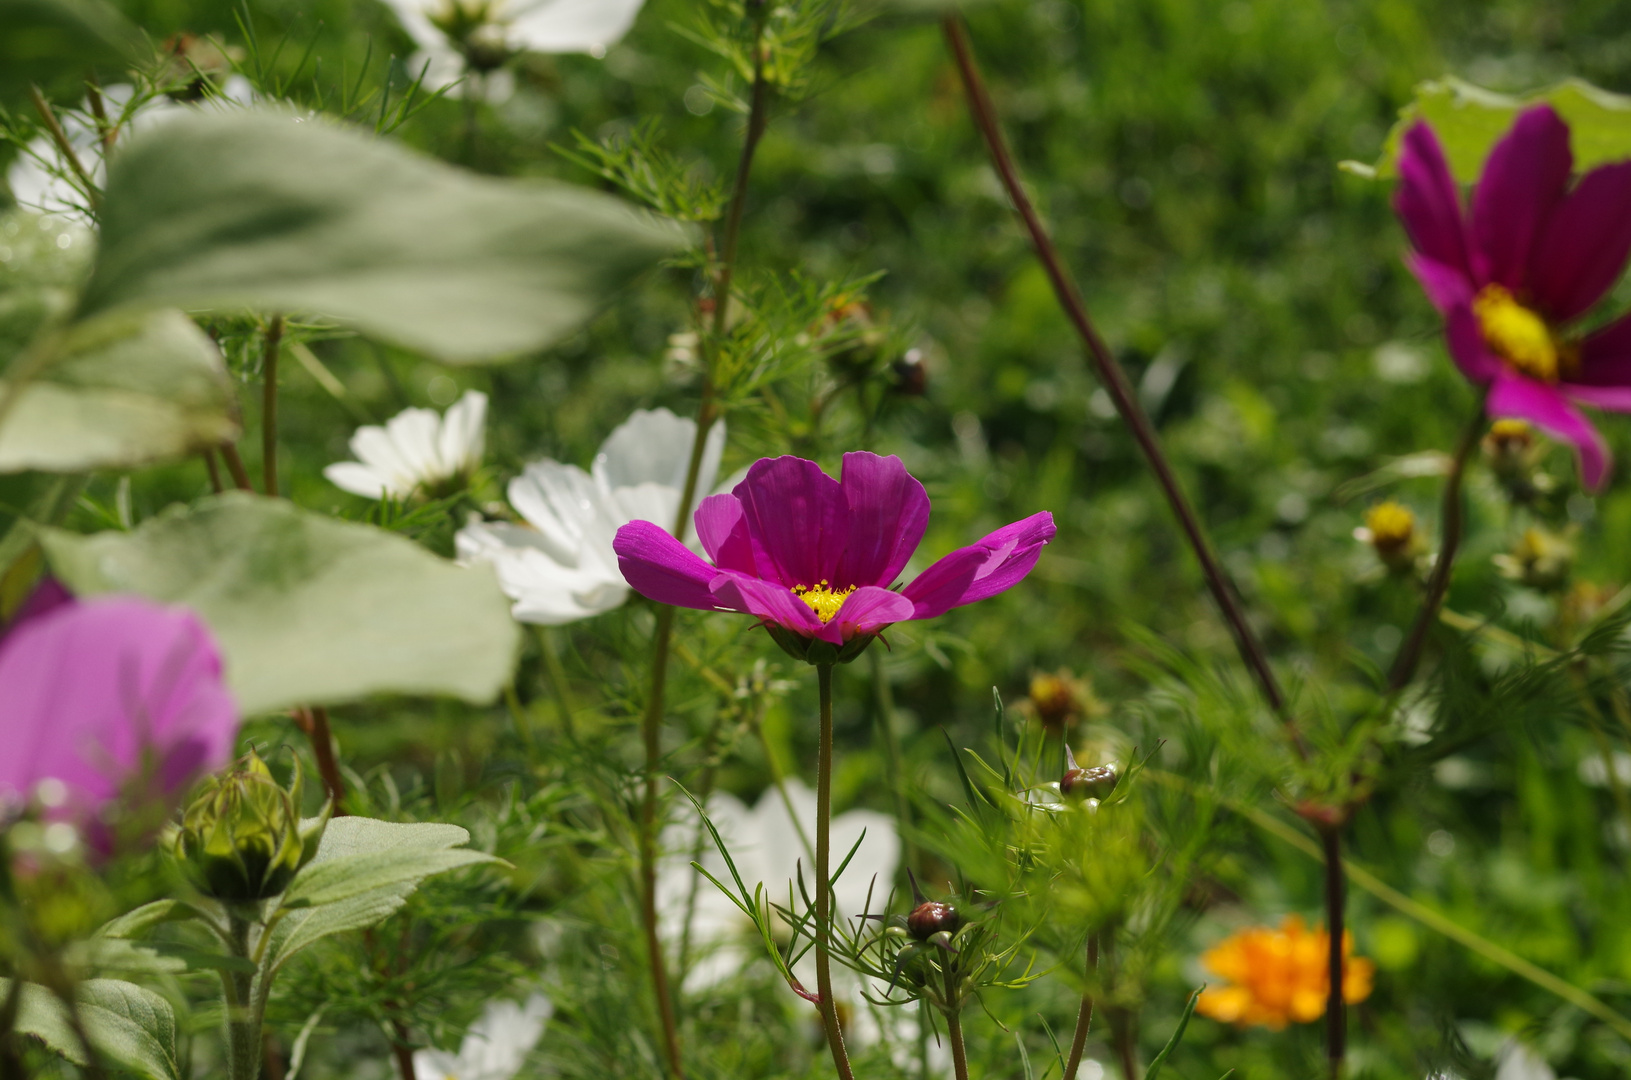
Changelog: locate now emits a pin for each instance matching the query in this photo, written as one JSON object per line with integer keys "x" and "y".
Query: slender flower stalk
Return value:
{"x": 274, "y": 339}
{"x": 1115, "y": 379}
{"x": 959, "y": 1052}
{"x": 1084, "y": 1013}
{"x": 823, "y": 881}
{"x": 1336, "y": 1008}
{"x": 235, "y": 466}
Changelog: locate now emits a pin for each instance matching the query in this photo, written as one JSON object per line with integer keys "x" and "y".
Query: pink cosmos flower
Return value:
{"x": 815, "y": 558}
{"x": 108, "y": 705}
{"x": 1511, "y": 274}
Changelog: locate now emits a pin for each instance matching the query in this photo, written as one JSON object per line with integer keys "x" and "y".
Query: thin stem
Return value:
{"x": 1121, "y": 1026}
{"x": 1404, "y": 665}
{"x": 235, "y": 466}
{"x": 758, "y": 119}
{"x": 274, "y": 338}
{"x": 651, "y": 729}
{"x": 1084, "y": 1014}
{"x": 1336, "y": 1012}
{"x": 214, "y": 471}
{"x": 823, "y": 881}
{"x": 243, "y": 1025}
{"x": 65, "y": 145}
{"x": 402, "y": 1050}
{"x": 1115, "y": 380}
{"x": 959, "y": 1053}
{"x": 314, "y": 722}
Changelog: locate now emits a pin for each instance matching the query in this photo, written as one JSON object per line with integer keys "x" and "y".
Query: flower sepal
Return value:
{"x": 816, "y": 651}
{"x": 242, "y": 839}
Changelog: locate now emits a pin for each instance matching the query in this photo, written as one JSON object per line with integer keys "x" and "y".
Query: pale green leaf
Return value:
{"x": 342, "y": 879}
{"x": 123, "y": 392}
{"x": 127, "y": 1025}
{"x": 308, "y": 610}
{"x": 267, "y": 212}
{"x": 1469, "y": 120}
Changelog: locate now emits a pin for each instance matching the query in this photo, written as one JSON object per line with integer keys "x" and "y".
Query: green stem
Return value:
{"x": 1336, "y": 1010}
{"x": 235, "y": 466}
{"x": 954, "y": 1035}
{"x": 1084, "y": 1013}
{"x": 1404, "y": 665}
{"x": 66, "y": 146}
{"x": 242, "y": 1018}
{"x": 274, "y": 338}
{"x": 823, "y": 883}
{"x": 1115, "y": 380}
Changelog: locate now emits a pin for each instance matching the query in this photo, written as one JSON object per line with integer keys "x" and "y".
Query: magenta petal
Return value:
{"x": 723, "y": 530}
{"x": 867, "y": 610}
{"x": 96, "y": 693}
{"x": 799, "y": 518}
{"x": 1612, "y": 398}
{"x": 1585, "y": 244}
{"x": 659, "y": 567}
{"x": 888, "y": 512}
{"x": 770, "y": 601}
{"x": 981, "y": 570}
{"x": 1447, "y": 287}
{"x": 1467, "y": 346}
{"x": 1546, "y": 407}
{"x": 1428, "y": 202}
{"x": 1522, "y": 184}
{"x": 48, "y": 595}
{"x": 1605, "y": 356}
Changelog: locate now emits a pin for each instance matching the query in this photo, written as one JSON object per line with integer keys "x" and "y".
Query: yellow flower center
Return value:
{"x": 823, "y": 599}
{"x": 1391, "y": 525}
{"x": 1517, "y": 334}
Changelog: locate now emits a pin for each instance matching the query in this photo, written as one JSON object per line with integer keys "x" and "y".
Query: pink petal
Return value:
{"x": 770, "y": 601}
{"x": 1605, "y": 356}
{"x": 1612, "y": 398}
{"x": 48, "y": 595}
{"x": 981, "y": 570}
{"x": 1522, "y": 184}
{"x": 888, "y": 512}
{"x": 1585, "y": 244}
{"x": 659, "y": 567}
{"x": 97, "y": 692}
{"x": 1467, "y": 347}
{"x": 723, "y": 530}
{"x": 798, "y": 517}
{"x": 1546, "y": 407}
{"x": 1428, "y": 202}
{"x": 866, "y": 611}
{"x": 1446, "y": 287}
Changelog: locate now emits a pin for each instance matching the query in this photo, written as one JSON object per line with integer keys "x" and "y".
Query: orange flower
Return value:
{"x": 1277, "y": 976}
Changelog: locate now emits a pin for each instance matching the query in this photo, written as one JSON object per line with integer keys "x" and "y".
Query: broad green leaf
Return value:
{"x": 126, "y": 1024}
{"x": 267, "y": 212}
{"x": 342, "y": 879}
{"x": 348, "y": 836}
{"x": 53, "y": 42}
{"x": 303, "y": 926}
{"x": 125, "y": 391}
{"x": 136, "y": 923}
{"x": 1469, "y": 120}
{"x": 308, "y": 610}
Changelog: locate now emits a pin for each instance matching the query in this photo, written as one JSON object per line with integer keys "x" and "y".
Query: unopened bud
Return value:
{"x": 1390, "y": 530}
{"x": 1095, "y": 783}
{"x": 1061, "y": 699}
{"x": 241, "y": 839}
{"x": 932, "y": 917}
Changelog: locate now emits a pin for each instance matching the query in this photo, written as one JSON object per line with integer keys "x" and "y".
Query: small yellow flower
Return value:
{"x": 1279, "y": 976}
{"x": 1060, "y": 699}
{"x": 1390, "y": 530}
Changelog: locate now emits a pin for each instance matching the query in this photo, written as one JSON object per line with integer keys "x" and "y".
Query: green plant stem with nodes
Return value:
{"x": 959, "y": 1052}
{"x": 823, "y": 897}
{"x": 243, "y": 1023}
{"x": 1409, "y": 657}
{"x": 1115, "y": 380}
{"x": 707, "y": 413}
{"x": 1084, "y": 1014}
{"x": 269, "y": 359}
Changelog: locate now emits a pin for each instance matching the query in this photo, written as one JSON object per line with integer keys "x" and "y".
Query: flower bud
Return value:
{"x": 932, "y": 917}
{"x": 1390, "y": 529}
{"x": 1095, "y": 783}
{"x": 241, "y": 838}
{"x": 1507, "y": 446}
{"x": 1540, "y": 559}
{"x": 1060, "y": 699}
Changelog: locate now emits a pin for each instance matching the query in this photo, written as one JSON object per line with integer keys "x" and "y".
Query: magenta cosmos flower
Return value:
{"x": 107, "y": 706}
{"x": 816, "y": 558}
{"x": 1512, "y": 274}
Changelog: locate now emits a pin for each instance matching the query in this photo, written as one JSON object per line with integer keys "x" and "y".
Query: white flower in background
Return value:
{"x": 1518, "y": 1062}
{"x": 478, "y": 35}
{"x": 41, "y": 177}
{"x": 560, "y": 566}
{"x": 417, "y": 450}
{"x": 494, "y": 1048}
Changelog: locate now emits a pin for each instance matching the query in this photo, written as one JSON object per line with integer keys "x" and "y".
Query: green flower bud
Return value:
{"x": 241, "y": 838}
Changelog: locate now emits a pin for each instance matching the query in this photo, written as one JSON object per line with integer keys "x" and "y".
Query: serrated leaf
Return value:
{"x": 126, "y": 1024}
{"x": 273, "y": 213}
{"x": 1469, "y": 120}
{"x": 307, "y": 610}
{"x": 123, "y": 392}
{"x": 341, "y": 879}
{"x": 52, "y": 42}
{"x": 305, "y": 926}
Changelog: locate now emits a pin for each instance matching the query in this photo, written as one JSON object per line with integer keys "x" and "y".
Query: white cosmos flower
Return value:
{"x": 560, "y": 567}
{"x": 507, "y": 26}
{"x": 41, "y": 178}
{"x": 1519, "y": 1062}
{"x": 416, "y": 450}
{"x": 494, "y": 1048}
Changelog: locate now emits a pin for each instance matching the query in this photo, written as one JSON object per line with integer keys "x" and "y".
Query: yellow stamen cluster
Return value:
{"x": 1517, "y": 334}
{"x": 1392, "y": 526}
{"x": 823, "y": 599}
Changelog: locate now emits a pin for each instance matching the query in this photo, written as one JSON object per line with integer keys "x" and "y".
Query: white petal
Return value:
{"x": 545, "y": 591}
{"x": 712, "y": 451}
{"x": 561, "y": 502}
{"x": 589, "y": 26}
{"x": 497, "y": 1044}
{"x": 375, "y": 448}
{"x": 463, "y": 434}
{"x": 413, "y": 434}
{"x": 358, "y": 479}
{"x": 1518, "y": 1062}
{"x": 651, "y": 446}
{"x": 436, "y": 1065}
{"x": 647, "y": 502}
{"x": 436, "y": 65}
{"x": 414, "y": 15}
